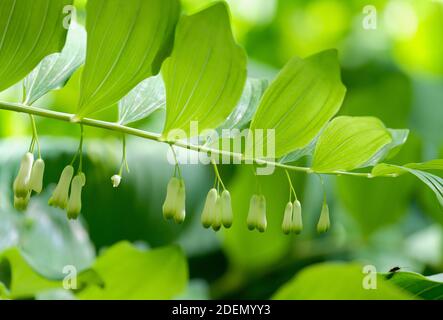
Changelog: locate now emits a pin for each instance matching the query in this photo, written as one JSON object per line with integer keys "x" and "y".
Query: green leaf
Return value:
{"x": 127, "y": 42}
{"x": 399, "y": 138}
{"x": 142, "y": 101}
{"x": 337, "y": 281}
{"x": 29, "y": 31}
{"x": 206, "y": 73}
{"x": 349, "y": 143}
{"x": 55, "y": 70}
{"x": 131, "y": 273}
{"x": 300, "y": 101}
{"x": 429, "y": 288}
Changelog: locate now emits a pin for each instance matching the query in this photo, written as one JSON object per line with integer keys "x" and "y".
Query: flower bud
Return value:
{"x": 287, "y": 219}
{"x": 323, "y": 223}
{"x": 252, "y": 214}
{"x": 262, "y": 223}
{"x": 180, "y": 208}
{"x": 217, "y": 223}
{"x": 226, "y": 210}
{"x": 60, "y": 196}
{"x": 38, "y": 171}
{"x": 171, "y": 198}
{"x": 21, "y": 183}
{"x": 297, "y": 221}
{"x": 75, "y": 198}
{"x": 116, "y": 180}
{"x": 21, "y": 204}
{"x": 207, "y": 217}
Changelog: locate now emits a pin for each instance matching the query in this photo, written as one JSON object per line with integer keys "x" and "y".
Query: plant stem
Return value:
{"x": 66, "y": 117}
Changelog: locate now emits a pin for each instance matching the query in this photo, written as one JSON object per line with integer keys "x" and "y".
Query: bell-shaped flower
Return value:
{"x": 252, "y": 214}
{"x": 217, "y": 223}
{"x": 75, "y": 198}
{"x": 262, "y": 222}
{"x": 226, "y": 210}
{"x": 60, "y": 196}
{"x": 323, "y": 223}
{"x": 38, "y": 171}
{"x": 180, "y": 207}
{"x": 287, "y": 219}
{"x": 21, "y": 183}
{"x": 171, "y": 198}
{"x": 297, "y": 220}
{"x": 116, "y": 180}
{"x": 21, "y": 204}
{"x": 207, "y": 217}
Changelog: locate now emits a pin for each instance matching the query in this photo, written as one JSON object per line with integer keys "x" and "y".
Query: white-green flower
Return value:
{"x": 207, "y": 217}
{"x": 287, "y": 219}
{"x": 251, "y": 220}
{"x": 60, "y": 196}
{"x": 180, "y": 208}
{"x": 21, "y": 183}
{"x": 227, "y": 216}
{"x": 324, "y": 223}
{"x": 75, "y": 198}
{"x": 38, "y": 171}
{"x": 262, "y": 222}
{"x": 217, "y": 223}
{"x": 116, "y": 180}
{"x": 171, "y": 198}
{"x": 297, "y": 219}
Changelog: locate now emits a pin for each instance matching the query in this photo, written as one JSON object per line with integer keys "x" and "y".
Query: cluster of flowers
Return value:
{"x": 174, "y": 206}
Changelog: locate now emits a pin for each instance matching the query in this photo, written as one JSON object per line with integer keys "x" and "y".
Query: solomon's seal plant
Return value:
{"x": 149, "y": 57}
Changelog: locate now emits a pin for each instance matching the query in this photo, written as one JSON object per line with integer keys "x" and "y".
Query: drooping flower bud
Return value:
{"x": 60, "y": 196}
{"x": 252, "y": 214}
{"x": 38, "y": 171}
{"x": 21, "y": 204}
{"x": 217, "y": 223}
{"x": 287, "y": 219}
{"x": 323, "y": 223}
{"x": 75, "y": 198}
{"x": 180, "y": 208}
{"x": 21, "y": 183}
{"x": 226, "y": 210}
{"x": 262, "y": 222}
{"x": 207, "y": 217}
{"x": 297, "y": 220}
{"x": 116, "y": 180}
{"x": 171, "y": 198}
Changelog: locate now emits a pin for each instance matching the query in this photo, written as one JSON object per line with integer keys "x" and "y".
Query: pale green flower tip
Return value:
{"x": 262, "y": 222}
{"x": 324, "y": 222}
{"x": 227, "y": 216}
{"x": 251, "y": 220}
{"x": 297, "y": 220}
{"x": 171, "y": 198}
{"x": 60, "y": 195}
{"x": 207, "y": 217}
{"x": 21, "y": 204}
{"x": 217, "y": 223}
{"x": 21, "y": 183}
{"x": 38, "y": 171}
{"x": 116, "y": 180}
{"x": 287, "y": 219}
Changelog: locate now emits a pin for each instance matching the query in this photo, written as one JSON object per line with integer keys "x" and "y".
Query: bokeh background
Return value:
{"x": 394, "y": 72}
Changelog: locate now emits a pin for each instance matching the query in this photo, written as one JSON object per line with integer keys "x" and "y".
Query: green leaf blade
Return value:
{"x": 348, "y": 143}
{"x": 301, "y": 100}
{"x": 206, "y": 73}
{"x": 29, "y": 31}
{"x": 126, "y": 44}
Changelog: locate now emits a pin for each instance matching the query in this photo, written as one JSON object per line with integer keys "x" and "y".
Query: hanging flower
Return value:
{"x": 116, "y": 180}
{"x": 38, "y": 171}
{"x": 287, "y": 219}
{"x": 207, "y": 217}
{"x": 226, "y": 210}
{"x": 21, "y": 183}
{"x": 171, "y": 198}
{"x": 217, "y": 222}
{"x": 180, "y": 207}
{"x": 297, "y": 221}
{"x": 75, "y": 198}
{"x": 60, "y": 196}
{"x": 324, "y": 223}
{"x": 252, "y": 214}
{"x": 262, "y": 222}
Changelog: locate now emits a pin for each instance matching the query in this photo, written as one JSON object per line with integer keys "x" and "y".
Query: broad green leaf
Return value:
{"x": 300, "y": 101}
{"x": 29, "y": 31}
{"x": 429, "y": 288}
{"x": 399, "y": 138}
{"x": 55, "y": 70}
{"x": 348, "y": 143}
{"x": 337, "y": 281}
{"x": 131, "y": 273}
{"x": 142, "y": 101}
{"x": 127, "y": 43}
{"x": 436, "y": 164}
{"x": 206, "y": 73}
{"x": 384, "y": 169}
{"x": 248, "y": 104}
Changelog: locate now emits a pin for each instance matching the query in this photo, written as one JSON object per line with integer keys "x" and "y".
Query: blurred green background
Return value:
{"x": 394, "y": 72}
